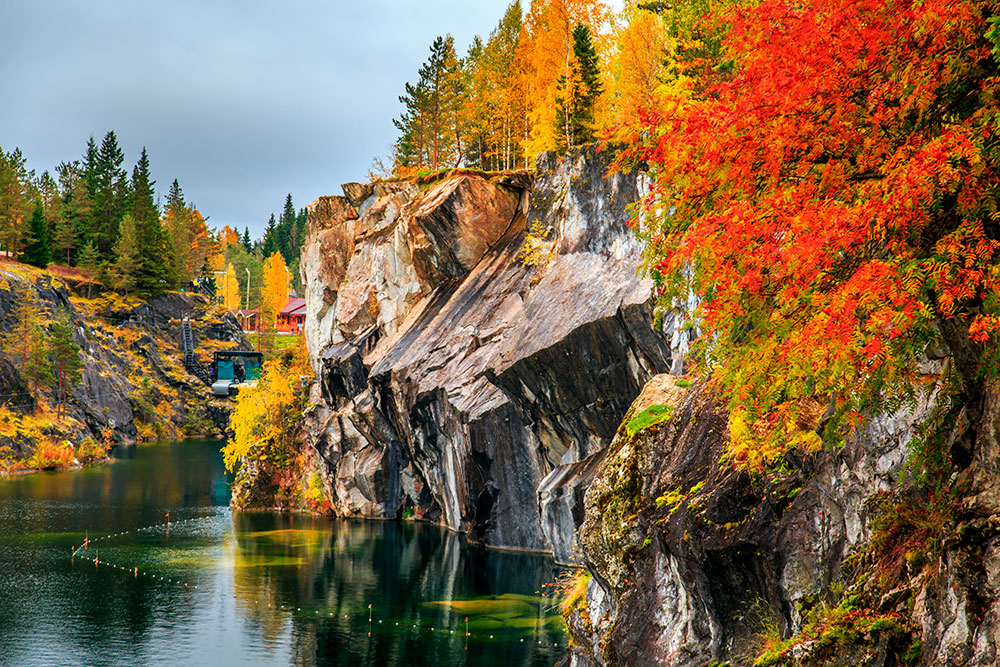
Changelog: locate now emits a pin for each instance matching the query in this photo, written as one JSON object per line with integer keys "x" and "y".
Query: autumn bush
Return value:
{"x": 89, "y": 450}
{"x": 50, "y": 454}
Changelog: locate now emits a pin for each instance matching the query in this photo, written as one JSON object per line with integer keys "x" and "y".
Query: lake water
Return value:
{"x": 217, "y": 588}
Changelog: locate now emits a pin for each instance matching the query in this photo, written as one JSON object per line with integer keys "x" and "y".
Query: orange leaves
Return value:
{"x": 230, "y": 289}
{"x": 274, "y": 290}
{"x": 831, "y": 191}
{"x": 227, "y": 237}
{"x": 545, "y": 50}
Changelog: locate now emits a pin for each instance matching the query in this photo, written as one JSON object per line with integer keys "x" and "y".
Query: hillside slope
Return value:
{"x": 133, "y": 384}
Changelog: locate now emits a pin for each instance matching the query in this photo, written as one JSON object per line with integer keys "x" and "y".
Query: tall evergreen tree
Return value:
{"x": 175, "y": 201}
{"x": 15, "y": 200}
{"x": 247, "y": 241}
{"x": 109, "y": 188}
{"x": 269, "y": 245}
{"x": 36, "y": 248}
{"x": 48, "y": 191}
{"x": 430, "y": 126}
{"x": 72, "y": 224}
{"x": 177, "y": 219}
{"x": 154, "y": 273}
{"x": 577, "y": 93}
{"x": 303, "y": 219}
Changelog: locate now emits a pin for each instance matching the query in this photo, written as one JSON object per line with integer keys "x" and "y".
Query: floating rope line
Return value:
{"x": 136, "y": 572}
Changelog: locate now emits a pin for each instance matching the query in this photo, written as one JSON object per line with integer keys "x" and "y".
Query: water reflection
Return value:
{"x": 421, "y": 582}
{"x": 252, "y": 588}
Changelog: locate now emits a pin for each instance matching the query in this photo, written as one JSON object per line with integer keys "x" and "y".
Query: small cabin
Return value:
{"x": 293, "y": 316}
{"x": 249, "y": 319}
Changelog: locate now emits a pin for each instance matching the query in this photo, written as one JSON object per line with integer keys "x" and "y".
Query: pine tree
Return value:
{"x": 36, "y": 250}
{"x": 15, "y": 200}
{"x": 25, "y": 344}
{"x": 72, "y": 225}
{"x": 269, "y": 244}
{"x": 107, "y": 182}
{"x": 154, "y": 270}
{"x": 431, "y": 126}
{"x": 65, "y": 356}
{"x": 48, "y": 192}
{"x": 247, "y": 242}
{"x": 577, "y": 93}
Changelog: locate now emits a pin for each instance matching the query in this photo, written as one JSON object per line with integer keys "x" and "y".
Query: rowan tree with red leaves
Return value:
{"x": 830, "y": 191}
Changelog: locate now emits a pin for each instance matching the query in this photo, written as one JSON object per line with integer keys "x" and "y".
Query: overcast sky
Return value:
{"x": 242, "y": 101}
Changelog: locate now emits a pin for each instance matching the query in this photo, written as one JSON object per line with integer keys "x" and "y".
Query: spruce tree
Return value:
{"x": 269, "y": 244}
{"x": 110, "y": 192}
{"x": 247, "y": 241}
{"x": 177, "y": 226}
{"x": 577, "y": 94}
{"x": 285, "y": 232}
{"x": 175, "y": 201}
{"x": 36, "y": 250}
{"x": 154, "y": 270}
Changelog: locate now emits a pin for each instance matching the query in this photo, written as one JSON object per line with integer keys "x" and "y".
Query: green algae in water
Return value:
{"x": 522, "y": 613}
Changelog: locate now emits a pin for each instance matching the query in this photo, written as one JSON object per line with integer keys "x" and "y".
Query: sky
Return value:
{"x": 242, "y": 101}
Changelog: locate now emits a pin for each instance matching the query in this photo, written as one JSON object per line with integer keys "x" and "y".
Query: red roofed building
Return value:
{"x": 293, "y": 316}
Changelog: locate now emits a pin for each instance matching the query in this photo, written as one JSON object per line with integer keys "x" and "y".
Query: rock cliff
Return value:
{"x": 849, "y": 555}
{"x": 477, "y": 340}
{"x": 133, "y": 384}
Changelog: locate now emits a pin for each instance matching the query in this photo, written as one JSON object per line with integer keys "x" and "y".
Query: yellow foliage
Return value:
{"x": 545, "y": 54}
{"x": 637, "y": 66}
{"x": 230, "y": 289}
{"x": 755, "y": 443}
{"x": 537, "y": 249}
{"x": 273, "y": 292}
{"x": 265, "y": 416}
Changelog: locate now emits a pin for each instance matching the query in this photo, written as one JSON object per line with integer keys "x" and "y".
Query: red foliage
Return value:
{"x": 833, "y": 197}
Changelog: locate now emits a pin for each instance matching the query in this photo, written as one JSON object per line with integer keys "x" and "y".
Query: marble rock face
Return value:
{"x": 458, "y": 379}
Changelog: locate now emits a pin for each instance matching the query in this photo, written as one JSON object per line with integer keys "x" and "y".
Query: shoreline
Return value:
{"x": 105, "y": 460}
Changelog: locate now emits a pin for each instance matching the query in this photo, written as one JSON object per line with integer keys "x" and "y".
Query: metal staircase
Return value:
{"x": 191, "y": 363}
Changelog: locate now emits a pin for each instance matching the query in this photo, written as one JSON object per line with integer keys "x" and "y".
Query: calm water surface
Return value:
{"x": 217, "y": 588}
